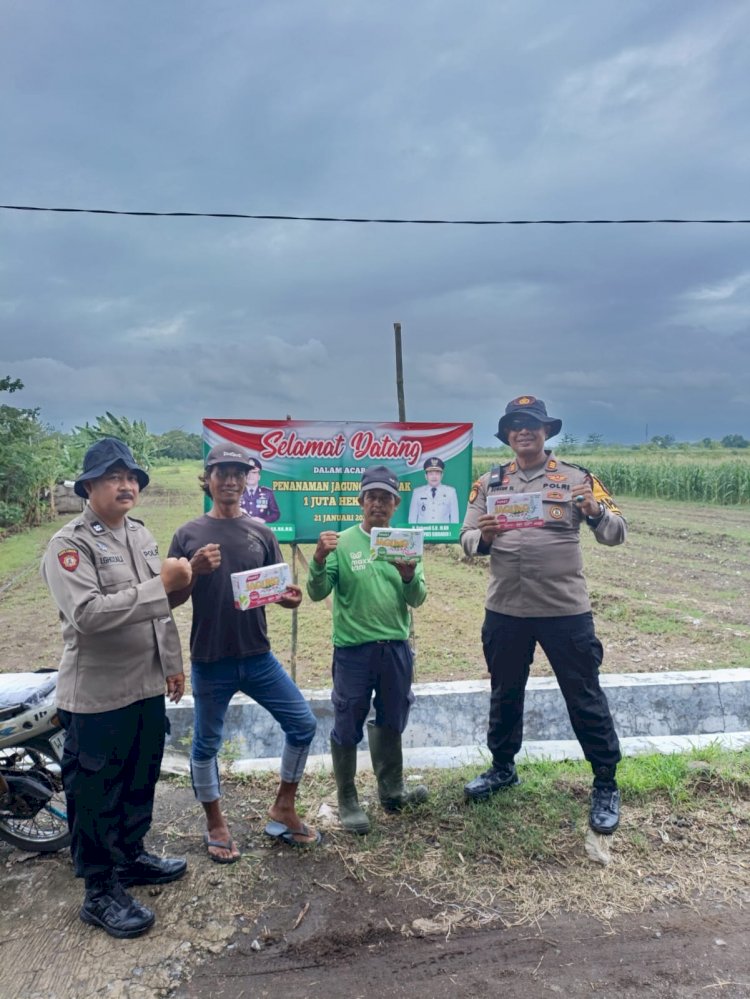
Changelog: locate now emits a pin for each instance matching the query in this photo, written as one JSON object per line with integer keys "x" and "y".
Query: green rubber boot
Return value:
{"x": 353, "y": 819}
{"x": 388, "y": 764}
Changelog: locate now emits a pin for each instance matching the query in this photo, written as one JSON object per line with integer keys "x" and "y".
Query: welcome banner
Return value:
{"x": 310, "y": 472}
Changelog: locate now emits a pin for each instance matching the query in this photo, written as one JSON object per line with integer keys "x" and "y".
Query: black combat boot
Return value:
{"x": 499, "y": 777}
{"x": 604, "y": 816}
{"x": 108, "y": 905}
{"x": 148, "y": 869}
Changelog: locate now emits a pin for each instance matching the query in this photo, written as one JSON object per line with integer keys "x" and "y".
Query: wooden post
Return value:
{"x": 293, "y": 656}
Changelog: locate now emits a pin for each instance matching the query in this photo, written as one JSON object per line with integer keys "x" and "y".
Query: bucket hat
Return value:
{"x": 529, "y": 406}
{"x": 100, "y": 457}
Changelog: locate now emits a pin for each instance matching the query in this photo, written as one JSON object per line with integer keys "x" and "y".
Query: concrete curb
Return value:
{"x": 653, "y": 712}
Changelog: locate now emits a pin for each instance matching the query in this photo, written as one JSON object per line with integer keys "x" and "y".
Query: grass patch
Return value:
{"x": 22, "y": 553}
{"x": 521, "y": 854}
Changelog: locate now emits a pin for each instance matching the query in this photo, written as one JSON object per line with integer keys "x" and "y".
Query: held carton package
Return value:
{"x": 256, "y": 587}
{"x": 515, "y": 510}
{"x": 397, "y": 544}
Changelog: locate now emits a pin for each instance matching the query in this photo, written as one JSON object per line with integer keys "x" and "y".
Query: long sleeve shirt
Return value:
{"x": 370, "y": 600}
{"x": 120, "y": 638}
{"x": 538, "y": 571}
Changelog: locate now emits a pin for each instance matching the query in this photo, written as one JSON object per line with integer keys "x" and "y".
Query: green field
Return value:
{"x": 700, "y": 476}
{"x": 675, "y": 596}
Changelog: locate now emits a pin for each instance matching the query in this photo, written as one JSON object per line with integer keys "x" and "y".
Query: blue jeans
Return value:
{"x": 265, "y": 680}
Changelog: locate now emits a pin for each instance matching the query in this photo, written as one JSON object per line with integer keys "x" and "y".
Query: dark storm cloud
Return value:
{"x": 421, "y": 110}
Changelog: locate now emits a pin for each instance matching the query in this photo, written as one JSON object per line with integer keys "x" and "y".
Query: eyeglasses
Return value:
{"x": 230, "y": 472}
{"x": 524, "y": 423}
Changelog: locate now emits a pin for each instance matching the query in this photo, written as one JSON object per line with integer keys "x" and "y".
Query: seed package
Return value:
{"x": 515, "y": 510}
{"x": 257, "y": 587}
{"x": 397, "y": 544}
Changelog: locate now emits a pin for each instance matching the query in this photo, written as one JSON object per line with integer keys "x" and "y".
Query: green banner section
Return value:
{"x": 299, "y": 495}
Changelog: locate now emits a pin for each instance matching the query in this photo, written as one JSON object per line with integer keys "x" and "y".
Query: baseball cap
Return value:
{"x": 380, "y": 477}
{"x": 229, "y": 454}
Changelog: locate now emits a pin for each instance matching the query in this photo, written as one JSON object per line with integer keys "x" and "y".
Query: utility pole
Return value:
{"x": 399, "y": 375}
{"x": 402, "y": 419}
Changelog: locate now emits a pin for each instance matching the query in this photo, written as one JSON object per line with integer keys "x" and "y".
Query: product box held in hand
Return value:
{"x": 514, "y": 510}
{"x": 397, "y": 544}
{"x": 256, "y": 587}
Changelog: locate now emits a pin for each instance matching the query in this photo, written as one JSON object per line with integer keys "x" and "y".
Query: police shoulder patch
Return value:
{"x": 69, "y": 559}
{"x": 603, "y": 495}
{"x": 474, "y": 491}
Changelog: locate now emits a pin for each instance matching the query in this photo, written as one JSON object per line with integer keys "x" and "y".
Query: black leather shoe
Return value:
{"x": 110, "y": 907}
{"x": 604, "y": 816}
{"x": 148, "y": 869}
{"x": 495, "y": 779}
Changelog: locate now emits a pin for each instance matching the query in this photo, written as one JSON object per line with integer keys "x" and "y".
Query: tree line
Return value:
{"x": 34, "y": 456}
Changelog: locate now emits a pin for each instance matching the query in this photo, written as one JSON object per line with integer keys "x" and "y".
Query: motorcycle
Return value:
{"x": 33, "y": 813}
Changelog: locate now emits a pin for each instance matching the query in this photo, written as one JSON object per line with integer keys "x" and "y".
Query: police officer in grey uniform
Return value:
{"x": 537, "y": 593}
{"x": 121, "y": 651}
{"x": 434, "y": 503}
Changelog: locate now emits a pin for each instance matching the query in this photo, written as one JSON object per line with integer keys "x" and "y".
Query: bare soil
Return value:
{"x": 326, "y": 922}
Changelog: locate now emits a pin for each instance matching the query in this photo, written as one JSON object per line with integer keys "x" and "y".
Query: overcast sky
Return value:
{"x": 419, "y": 109}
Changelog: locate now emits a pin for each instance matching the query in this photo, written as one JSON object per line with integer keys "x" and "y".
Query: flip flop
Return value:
{"x": 277, "y": 830}
{"x": 226, "y": 844}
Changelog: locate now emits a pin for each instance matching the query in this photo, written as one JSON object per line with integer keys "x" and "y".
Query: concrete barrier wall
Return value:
{"x": 644, "y": 705}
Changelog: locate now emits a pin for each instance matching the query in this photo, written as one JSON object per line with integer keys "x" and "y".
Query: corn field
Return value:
{"x": 726, "y": 483}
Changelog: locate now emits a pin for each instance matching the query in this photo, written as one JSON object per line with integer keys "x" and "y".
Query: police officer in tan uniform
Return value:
{"x": 121, "y": 651}
{"x": 526, "y": 516}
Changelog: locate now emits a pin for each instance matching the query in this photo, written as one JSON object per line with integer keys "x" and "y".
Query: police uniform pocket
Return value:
{"x": 154, "y": 564}
{"x": 558, "y": 512}
{"x": 589, "y": 648}
{"x": 91, "y": 762}
{"x": 114, "y": 578}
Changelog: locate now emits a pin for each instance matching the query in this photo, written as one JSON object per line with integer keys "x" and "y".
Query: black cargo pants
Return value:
{"x": 575, "y": 654}
{"x": 110, "y": 767}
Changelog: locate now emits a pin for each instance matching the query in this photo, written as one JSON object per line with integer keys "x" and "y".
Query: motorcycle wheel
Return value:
{"x": 47, "y": 831}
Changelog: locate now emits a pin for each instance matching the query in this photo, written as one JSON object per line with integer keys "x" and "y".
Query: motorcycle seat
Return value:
{"x": 21, "y": 691}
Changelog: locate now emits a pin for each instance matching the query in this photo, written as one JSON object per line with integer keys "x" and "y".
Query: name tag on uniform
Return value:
{"x": 514, "y": 510}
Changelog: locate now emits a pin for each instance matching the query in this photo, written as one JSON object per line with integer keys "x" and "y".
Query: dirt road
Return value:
{"x": 667, "y": 953}
{"x": 315, "y": 923}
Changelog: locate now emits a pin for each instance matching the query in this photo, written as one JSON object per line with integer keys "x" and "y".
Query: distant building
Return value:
{"x": 64, "y": 500}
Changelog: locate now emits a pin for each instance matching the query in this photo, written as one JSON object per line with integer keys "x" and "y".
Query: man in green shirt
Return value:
{"x": 371, "y": 654}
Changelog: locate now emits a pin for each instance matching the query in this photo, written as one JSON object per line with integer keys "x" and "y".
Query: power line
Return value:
{"x": 331, "y": 218}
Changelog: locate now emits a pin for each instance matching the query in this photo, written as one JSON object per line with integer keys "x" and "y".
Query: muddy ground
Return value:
{"x": 320, "y": 923}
